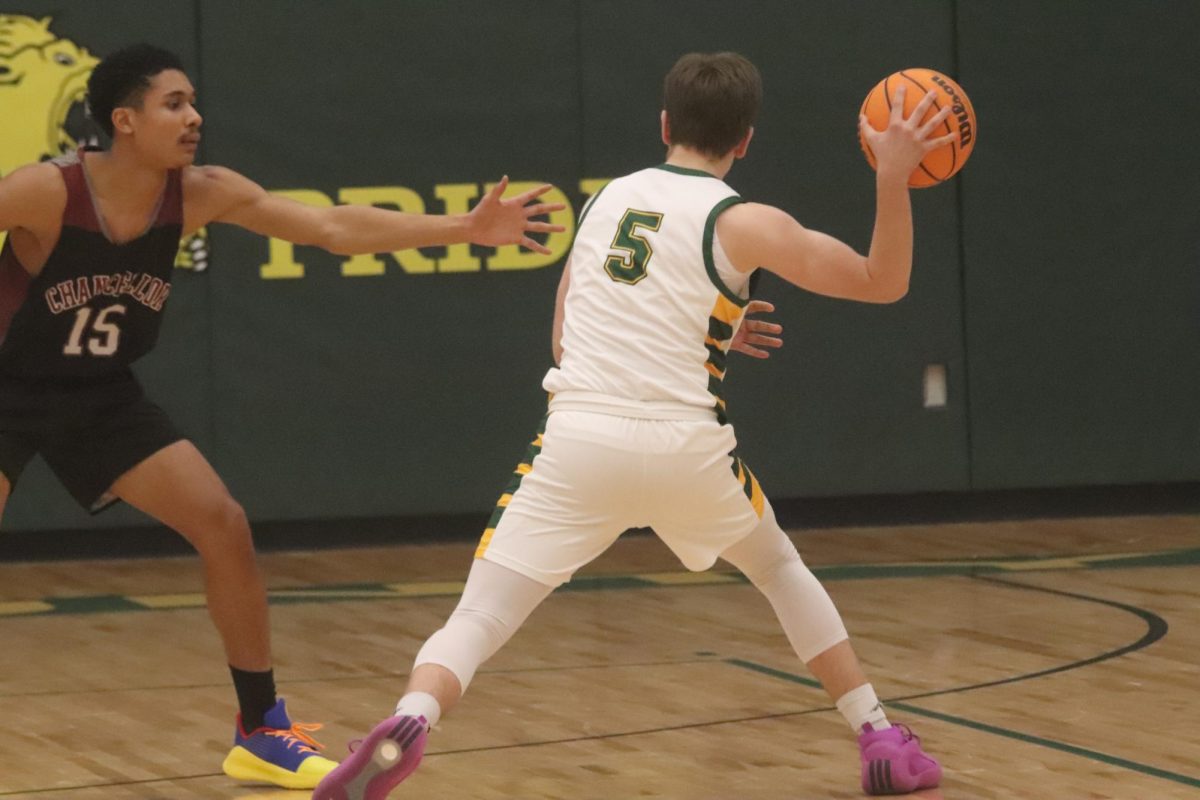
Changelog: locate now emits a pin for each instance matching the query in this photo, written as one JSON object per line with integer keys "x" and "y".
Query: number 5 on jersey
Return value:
{"x": 107, "y": 335}
{"x": 630, "y": 266}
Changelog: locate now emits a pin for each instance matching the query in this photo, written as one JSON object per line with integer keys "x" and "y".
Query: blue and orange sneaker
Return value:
{"x": 894, "y": 763}
{"x": 280, "y": 752}
{"x": 387, "y": 756}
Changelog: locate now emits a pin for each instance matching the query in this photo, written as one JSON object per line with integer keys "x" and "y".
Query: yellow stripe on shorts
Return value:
{"x": 484, "y": 541}
{"x": 523, "y": 469}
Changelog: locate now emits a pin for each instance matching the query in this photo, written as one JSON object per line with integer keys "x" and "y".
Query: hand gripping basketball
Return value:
{"x": 929, "y": 111}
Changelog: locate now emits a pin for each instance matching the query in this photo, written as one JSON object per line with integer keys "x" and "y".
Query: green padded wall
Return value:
{"x": 1056, "y": 279}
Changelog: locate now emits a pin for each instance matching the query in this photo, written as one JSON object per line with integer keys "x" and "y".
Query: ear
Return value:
{"x": 122, "y": 120}
{"x": 744, "y": 144}
{"x": 665, "y": 124}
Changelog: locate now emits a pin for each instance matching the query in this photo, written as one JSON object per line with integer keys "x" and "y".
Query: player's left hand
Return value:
{"x": 494, "y": 221}
{"x": 758, "y": 332}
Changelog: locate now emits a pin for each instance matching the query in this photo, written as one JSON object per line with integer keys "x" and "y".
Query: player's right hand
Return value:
{"x": 899, "y": 149}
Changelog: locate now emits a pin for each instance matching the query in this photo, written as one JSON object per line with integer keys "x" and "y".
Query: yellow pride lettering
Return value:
{"x": 281, "y": 261}
{"x": 511, "y": 256}
{"x": 589, "y": 186}
{"x": 456, "y": 197}
{"x": 404, "y": 199}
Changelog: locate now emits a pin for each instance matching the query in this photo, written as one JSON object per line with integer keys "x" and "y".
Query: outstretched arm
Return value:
{"x": 756, "y": 235}
{"x": 216, "y": 194}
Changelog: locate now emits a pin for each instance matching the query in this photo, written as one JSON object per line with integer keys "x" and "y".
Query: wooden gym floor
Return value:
{"x": 1037, "y": 659}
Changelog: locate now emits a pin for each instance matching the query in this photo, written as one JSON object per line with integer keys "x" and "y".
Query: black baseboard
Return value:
{"x": 813, "y": 512}
{"x": 1008, "y": 504}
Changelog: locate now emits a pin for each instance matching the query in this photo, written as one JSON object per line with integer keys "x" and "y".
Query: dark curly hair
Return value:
{"x": 122, "y": 79}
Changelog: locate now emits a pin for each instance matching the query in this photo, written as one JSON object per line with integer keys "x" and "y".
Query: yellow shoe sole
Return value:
{"x": 245, "y": 766}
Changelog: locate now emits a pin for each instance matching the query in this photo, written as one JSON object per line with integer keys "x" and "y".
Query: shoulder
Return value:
{"x": 749, "y": 219}
{"x": 42, "y": 181}
{"x": 212, "y": 181}
{"x": 210, "y": 192}
{"x": 750, "y": 232}
{"x": 32, "y": 197}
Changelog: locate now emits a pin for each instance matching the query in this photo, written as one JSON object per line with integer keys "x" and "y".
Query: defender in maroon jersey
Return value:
{"x": 85, "y": 276}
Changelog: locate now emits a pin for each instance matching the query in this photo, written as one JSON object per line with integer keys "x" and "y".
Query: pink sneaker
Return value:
{"x": 387, "y": 756}
{"x": 894, "y": 763}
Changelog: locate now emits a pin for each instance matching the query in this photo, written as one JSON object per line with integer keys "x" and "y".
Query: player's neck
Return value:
{"x": 685, "y": 157}
{"x": 121, "y": 174}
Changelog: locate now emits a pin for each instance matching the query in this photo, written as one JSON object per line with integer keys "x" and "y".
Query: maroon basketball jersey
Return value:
{"x": 96, "y": 307}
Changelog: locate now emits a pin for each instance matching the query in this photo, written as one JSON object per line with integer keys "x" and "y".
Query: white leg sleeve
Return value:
{"x": 769, "y": 559}
{"x": 494, "y": 603}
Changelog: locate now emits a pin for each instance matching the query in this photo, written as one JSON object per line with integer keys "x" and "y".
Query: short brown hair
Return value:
{"x": 711, "y": 100}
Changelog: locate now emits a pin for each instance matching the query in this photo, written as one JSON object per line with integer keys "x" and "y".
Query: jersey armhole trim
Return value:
{"x": 709, "y": 265}
{"x": 588, "y": 205}
{"x": 591, "y": 201}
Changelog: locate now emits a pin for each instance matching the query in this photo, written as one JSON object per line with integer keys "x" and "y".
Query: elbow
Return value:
{"x": 892, "y": 294}
{"x": 885, "y": 282}
{"x": 881, "y": 294}
{"x": 328, "y": 234}
{"x": 330, "y": 238}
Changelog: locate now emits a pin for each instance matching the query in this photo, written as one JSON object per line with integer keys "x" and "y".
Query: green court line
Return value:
{"x": 1094, "y": 755}
{"x": 104, "y": 604}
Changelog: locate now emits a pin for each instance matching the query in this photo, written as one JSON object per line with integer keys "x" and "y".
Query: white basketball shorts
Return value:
{"x": 588, "y": 477}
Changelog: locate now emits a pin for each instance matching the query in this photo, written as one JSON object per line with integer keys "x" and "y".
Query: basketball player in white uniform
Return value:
{"x": 636, "y": 434}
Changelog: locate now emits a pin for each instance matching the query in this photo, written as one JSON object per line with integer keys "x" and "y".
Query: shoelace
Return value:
{"x": 298, "y": 734}
{"x": 906, "y": 732}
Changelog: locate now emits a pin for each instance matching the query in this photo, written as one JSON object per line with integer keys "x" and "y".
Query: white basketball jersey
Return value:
{"x": 653, "y": 301}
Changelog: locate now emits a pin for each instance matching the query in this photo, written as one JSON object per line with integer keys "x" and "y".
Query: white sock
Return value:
{"x": 420, "y": 704}
{"x": 860, "y": 706}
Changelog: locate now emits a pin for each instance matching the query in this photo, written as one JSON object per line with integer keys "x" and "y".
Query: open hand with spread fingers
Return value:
{"x": 495, "y": 221}
{"x": 754, "y": 334}
{"x": 900, "y": 147}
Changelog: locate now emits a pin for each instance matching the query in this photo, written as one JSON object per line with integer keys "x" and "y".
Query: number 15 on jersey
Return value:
{"x": 103, "y": 334}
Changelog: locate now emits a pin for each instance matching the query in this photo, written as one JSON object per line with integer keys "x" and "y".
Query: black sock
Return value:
{"x": 256, "y": 695}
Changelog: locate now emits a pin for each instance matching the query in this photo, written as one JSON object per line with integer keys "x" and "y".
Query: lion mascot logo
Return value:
{"x": 43, "y": 84}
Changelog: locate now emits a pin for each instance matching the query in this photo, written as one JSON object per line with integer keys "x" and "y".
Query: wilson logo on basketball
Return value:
{"x": 958, "y": 109}
{"x": 944, "y": 161}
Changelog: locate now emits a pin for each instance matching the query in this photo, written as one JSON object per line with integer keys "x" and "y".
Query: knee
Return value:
{"x": 469, "y": 638}
{"x": 222, "y": 525}
{"x": 763, "y": 553}
{"x": 764, "y": 572}
{"x": 487, "y": 630}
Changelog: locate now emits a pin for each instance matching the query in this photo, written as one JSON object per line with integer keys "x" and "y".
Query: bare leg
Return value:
{"x": 438, "y": 681}
{"x": 178, "y": 487}
{"x": 838, "y": 669}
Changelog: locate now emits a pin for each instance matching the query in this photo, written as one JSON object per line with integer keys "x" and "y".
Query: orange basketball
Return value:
{"x": 939, "y": 164}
